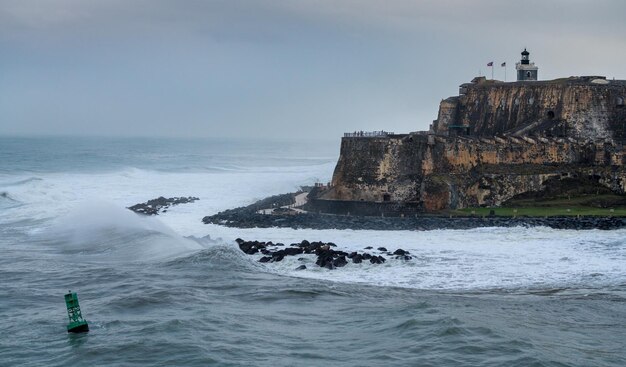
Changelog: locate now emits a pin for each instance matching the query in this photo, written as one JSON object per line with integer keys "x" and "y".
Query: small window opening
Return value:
{"x": 550, "y": 115}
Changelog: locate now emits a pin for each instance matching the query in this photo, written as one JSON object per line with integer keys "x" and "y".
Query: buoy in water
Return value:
{"x": 77, "y": 323}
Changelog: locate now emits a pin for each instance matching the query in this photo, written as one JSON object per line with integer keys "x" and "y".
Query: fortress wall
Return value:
{"x": 522, "y": 135}
{"x": 448, "y": 111}
{"x": 369, "y": 168}
{"x": 568, "y": 107}
{"x": 459, "y": 155}
{"x": 453, "y": 172}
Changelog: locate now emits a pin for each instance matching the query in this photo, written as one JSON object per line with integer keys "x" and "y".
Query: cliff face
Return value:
{"x": 370, "y": 168}
{"x": 584, "y": 108}
{"x": 437, "y": 172}
{"x": 491, "y": 143}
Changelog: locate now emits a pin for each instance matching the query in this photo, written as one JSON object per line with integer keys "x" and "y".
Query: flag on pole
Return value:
{"x": 503, "y": 64}
{"x": 490, "y": 64}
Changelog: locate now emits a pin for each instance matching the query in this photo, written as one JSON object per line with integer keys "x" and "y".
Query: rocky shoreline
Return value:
{"x": 277, "y": 211}
{"x": 327, "y": 256}
{"x": 160, "y": 204}
{"x": 250, "y": 217}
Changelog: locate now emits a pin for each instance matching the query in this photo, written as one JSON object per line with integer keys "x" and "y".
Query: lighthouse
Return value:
{"x": 526, "y": 70}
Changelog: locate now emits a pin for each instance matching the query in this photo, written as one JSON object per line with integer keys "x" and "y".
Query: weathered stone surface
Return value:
{"x": 522, "y": 137}
{"x": 577, "y": 107}
{"x": 456, "y": 172}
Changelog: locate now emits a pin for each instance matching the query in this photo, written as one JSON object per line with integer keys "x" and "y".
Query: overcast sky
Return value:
{"x": 286, "y": 69}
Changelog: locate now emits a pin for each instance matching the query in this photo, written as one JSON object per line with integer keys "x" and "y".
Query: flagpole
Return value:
{"x": 505, "y": 72}
{"x": 491, "y": 71}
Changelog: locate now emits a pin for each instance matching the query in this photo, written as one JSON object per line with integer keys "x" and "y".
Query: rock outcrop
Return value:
{"x": 327, "y": 256}
{"x": 160, "y": 204}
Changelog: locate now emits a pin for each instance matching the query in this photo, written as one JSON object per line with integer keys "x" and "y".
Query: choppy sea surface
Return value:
{"x": 169, "y": 290}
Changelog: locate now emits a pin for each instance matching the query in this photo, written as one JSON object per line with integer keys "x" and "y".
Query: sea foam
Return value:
{"x": 86, "y": 213}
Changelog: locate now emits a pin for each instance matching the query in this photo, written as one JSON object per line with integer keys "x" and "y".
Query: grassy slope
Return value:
{"x": 593, "y": 205}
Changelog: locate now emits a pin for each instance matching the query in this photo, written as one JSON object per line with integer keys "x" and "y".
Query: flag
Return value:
{"x": 503, "y": 64}
{"x": 490, "y": 63}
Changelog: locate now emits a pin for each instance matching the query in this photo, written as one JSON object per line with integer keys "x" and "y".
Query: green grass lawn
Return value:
{"x": 585, "y": 205}
{"x": 543, "y": 211}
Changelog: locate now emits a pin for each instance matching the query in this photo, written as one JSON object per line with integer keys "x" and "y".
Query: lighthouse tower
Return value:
{"x": 526, "y": 70}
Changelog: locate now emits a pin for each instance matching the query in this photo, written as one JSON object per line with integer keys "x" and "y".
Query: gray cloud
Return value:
{"x": 280, "y": 68}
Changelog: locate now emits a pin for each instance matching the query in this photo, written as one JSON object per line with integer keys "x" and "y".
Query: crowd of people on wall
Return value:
{"x": 367, "y": 134}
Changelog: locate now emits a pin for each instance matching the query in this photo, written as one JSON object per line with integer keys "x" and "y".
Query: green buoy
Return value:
{"x": 77, "y": 323}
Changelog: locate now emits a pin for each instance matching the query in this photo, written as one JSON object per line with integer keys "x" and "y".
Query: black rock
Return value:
{"x": 369, "y": 248}
{"x": 251, "y": 247}
{"x": 152, "y": 207}
{"x": 301, "y": 267}
{"x": 382, "y": 249}
{"x": 340, "y": 261}
{"x": 357, "y": 259}
{"x": 323, "y": 248}
{"x": 276, "y": 257}
{"x": 325, "y": 259}
{"x": 291, "y": 251}
{"x": 265, "y": 259}
{"x": 400, "y": 252}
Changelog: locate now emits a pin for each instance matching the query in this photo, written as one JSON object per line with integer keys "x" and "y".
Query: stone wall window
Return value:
{"x": 619, "y": 102}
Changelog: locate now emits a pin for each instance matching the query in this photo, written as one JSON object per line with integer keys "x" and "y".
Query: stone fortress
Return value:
{"x": 493, "y": 142}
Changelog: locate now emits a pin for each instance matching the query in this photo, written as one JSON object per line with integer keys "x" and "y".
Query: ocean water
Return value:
{"x": 170, "y": 290}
